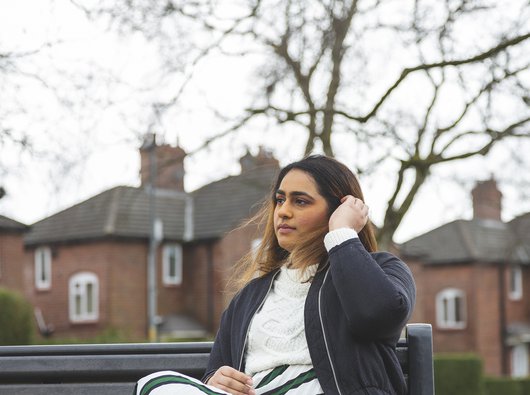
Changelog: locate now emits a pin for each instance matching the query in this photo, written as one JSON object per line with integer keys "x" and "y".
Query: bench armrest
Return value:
{"x": 420, "y": 359}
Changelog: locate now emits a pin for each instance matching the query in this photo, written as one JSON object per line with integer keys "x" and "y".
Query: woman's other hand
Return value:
{"x": 352, "y": 213}
{"x": 233, "y": 381}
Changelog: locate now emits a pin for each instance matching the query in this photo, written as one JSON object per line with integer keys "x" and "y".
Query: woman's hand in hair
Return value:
{"x": 231, "y": 380}
{"x": 352, "y": 213}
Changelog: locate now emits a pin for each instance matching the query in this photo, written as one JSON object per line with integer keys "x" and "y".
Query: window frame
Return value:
{"x": 446, "y": 299}
{"x": 520, "y": 361}
{"x": 515, "y": 282}
{"x": 167, "y": 278}
{"x": 83, "y": 279}
{"x": 43, "y": 268}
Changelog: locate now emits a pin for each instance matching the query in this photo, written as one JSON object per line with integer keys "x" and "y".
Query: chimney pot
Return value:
{"x": 169, "y": 165}
{"x": 487, "y": 200}
{"x": 263, "y": 158}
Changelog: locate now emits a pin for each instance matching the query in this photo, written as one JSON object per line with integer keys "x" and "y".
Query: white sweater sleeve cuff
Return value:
{"x": 338, "y": 236}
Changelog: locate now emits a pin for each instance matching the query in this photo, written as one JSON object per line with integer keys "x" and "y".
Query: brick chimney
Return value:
{"x": 169, "y": 164}
{"x": 487, "y": 200}
{"x": 263, "y": 158}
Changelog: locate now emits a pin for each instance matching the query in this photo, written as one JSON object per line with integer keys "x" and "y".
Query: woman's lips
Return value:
{"x": 285, "y": 229}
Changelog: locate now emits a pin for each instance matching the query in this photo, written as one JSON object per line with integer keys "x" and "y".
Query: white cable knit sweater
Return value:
{"x": 277, "y": 335}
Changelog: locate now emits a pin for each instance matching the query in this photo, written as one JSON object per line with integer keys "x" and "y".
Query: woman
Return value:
{"x": 321, "y": 311}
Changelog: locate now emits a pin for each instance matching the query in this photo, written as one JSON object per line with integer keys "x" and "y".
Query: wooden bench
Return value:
{"x": 115, "y": 368}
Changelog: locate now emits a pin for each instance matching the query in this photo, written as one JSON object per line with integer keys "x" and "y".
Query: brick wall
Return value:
{"x": 487, "y": 317}
{"x": 171, "y": 298}
{"x": 121, "y": 271}
{"x": 526, "y": 291}
{"x": 210, "y": 264}
{"x": 434, "y": 279}
{"x": 12, "y": 260}
{"x": 54, "y": 302}
{"x": 480, "y": 282}
{"x": 419, "y": 312}
{"x": 121, "y": 268}
{"x": 127, "y": 287}
{"x": 517, "y": 310}
{"x": 228, "y": 252}
{"x": 196, "y": 276}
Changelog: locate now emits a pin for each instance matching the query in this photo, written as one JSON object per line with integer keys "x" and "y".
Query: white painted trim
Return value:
{"x": 446, "y": 305}
{"x": 43, "y": 268}
{"x": 176, "y": 251}
{"x": 515, "y": 292}
{"x": 188, "y": 218}
{"x": 519, "y": 356}
{"x": 78, "y": 288}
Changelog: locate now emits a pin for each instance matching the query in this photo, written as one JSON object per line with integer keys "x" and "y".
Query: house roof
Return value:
{"x": 521, "y": 227}
{"x": 8, "y": 224}
{"x": 120, "y": 212}
{"x": 223, "y": 205}
{"x": 124, "y": 211}
{"x": 483, "y": 240}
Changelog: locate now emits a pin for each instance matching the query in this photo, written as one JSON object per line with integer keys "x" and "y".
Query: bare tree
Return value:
{"x": 418, "y": 83}
{"x": 51, "y": 103}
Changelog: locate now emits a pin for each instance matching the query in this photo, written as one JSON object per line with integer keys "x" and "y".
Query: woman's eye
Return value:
{"x": 280, "y": 200}
{"x": 301, "y": 202}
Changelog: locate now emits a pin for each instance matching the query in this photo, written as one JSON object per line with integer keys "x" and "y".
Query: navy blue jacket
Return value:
{"x": 355, "y": 310}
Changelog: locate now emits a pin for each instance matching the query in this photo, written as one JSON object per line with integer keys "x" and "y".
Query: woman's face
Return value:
{"x": 299, "y": 209}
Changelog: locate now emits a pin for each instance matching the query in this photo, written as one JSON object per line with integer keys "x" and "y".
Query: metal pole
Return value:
{"x": 210, "y": 290}
{"x": 502, "y": 317}
{"x": 151, "y": 261}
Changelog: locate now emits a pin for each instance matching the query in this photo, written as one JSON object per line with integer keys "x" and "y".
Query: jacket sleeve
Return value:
{"x": 376, "y": 291}
{"x": 221, "y": 349}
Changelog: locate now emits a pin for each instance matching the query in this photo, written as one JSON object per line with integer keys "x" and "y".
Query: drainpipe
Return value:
{"x": 502, "y": 318}
{"x": 151, "y": 259}
{"x": 209, "y": 287}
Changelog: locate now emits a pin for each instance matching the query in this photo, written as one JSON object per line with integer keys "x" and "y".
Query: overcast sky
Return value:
{"x": 106, "y": 154}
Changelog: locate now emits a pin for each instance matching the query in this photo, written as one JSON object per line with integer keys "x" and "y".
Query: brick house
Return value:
{"x": 85, "y": 267}
{"x": 12, "y": 254}
{"x": 473, "y": 280}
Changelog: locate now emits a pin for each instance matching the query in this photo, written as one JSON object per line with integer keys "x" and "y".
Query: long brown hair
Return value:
{"x": 333, "y": 180}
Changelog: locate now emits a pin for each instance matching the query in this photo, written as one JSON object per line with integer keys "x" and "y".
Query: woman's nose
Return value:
{"x": 284, "y": 210}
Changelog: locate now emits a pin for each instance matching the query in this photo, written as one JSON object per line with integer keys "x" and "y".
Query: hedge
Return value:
{"x": 525, "y": 386}
{"x": 502, "y": 386}
{"x": 16, "y": 319}
{"x": 458, "y": 374}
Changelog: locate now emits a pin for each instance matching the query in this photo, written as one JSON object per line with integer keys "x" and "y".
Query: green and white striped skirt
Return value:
{"x": 290, "y": 380}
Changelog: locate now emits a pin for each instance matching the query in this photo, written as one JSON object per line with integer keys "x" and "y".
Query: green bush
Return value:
{"x": 502, "y": 386}
{"x": 16, "y": 319}
{"x": 108, "y": 336}
{"x": 525, "y": 386}
{"x": 458, "y": 374}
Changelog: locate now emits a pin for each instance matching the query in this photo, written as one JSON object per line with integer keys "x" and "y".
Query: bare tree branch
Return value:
{"x": 459, "y": 62}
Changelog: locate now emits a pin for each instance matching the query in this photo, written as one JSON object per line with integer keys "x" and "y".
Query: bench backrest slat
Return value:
{"x": 115, "y": 368}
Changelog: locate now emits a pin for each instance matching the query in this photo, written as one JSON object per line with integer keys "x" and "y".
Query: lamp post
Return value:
{"x": 153, "y": 243}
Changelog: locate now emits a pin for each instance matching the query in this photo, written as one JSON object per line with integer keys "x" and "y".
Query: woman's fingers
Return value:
{"x": 231, "y": 380}
{"x": 351, "y": 213}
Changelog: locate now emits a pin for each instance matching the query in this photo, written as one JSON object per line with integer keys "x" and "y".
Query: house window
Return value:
{"x": 172, "y": 264}
{"x": 43, "y": 268}
{"x": 516, "y": 282}
{"x": 84, "y": 297}
{"x": 451, "y": 309}
{"x": 520, "y": 361}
